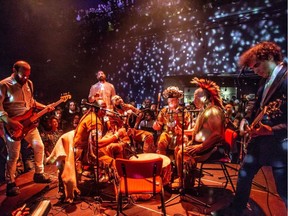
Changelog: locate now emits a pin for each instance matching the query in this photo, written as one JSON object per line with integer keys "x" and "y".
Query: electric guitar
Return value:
{"x": 272, "y": 110}
{"x": 29, "y": 120}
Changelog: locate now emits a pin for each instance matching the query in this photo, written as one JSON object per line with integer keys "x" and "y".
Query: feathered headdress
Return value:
{"x": 172, "y": 92}
{"x": 212, "y": 88}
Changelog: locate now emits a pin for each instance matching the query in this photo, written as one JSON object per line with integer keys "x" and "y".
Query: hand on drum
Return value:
{"x": 194, "y": 149}
{"x": 178, "y": 130}
{"x": 131, "y": 132}
{"x": 122, "y": 132}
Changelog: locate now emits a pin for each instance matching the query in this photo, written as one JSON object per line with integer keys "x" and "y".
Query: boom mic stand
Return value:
{"x": 182, "y": 190}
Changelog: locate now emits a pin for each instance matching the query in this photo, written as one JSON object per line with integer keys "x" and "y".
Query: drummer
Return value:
{"x": 170, "y": 121}
{"x": 88, "y": 132}
{"x": 121, "y": 118}
{"x": 208, "y": 131}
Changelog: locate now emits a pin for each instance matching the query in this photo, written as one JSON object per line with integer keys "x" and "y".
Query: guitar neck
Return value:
{"x": 44, "y": 111}
{"x": 259, "y": 117}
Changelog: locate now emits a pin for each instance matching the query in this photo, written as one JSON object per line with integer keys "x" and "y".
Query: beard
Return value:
{"x": 19, "y": 80}
{"x": 101, "y": 78}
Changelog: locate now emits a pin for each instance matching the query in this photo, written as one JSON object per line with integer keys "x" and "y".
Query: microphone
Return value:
{"x": 131, "y": 152}
{"x": 91, "y": 105}
{"x": 242, "y": 71}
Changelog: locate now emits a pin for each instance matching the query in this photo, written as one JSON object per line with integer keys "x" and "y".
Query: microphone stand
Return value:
{"x": 182, "y": 190}
{"x": 98, "y": 198}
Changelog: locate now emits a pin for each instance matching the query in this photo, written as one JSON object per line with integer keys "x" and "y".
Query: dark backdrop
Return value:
{"x": 137, "y": 43}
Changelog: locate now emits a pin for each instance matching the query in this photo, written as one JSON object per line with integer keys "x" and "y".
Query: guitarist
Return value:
{"x": 16, "y": 99}
{"x": 268, "y": 146}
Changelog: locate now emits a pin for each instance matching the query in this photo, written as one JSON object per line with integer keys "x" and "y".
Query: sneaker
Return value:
{"x": 12, "y": 189}
{"x": 41, "y": 178}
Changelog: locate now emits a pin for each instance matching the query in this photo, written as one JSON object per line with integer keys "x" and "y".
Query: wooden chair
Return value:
{"x": 230, "y": 139}
{"x": 139, "y": 177}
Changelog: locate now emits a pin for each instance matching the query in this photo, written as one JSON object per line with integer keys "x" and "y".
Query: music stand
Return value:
{"x": 182, "y": 190}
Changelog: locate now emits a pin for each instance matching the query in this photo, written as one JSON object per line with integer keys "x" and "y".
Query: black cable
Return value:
{"x": 267, "y": 186}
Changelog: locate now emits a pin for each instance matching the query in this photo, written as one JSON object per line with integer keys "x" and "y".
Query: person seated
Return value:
{"x": 92, "y": 130}
{"x": 170, "y": 121}
{"x": 120, "y": 119}
{"x": 51, "y": 135}
{"x": 72, "y": 148}
{"x": 147, "y": 123}
{"x": 208, "y": 132}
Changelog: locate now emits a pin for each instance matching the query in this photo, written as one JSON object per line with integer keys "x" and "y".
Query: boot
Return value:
{"x": 12, "y": 189}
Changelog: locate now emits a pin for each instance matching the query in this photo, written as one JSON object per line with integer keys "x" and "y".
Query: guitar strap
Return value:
{"x": 30, "y": 86}
{"x": 31, "y": 89}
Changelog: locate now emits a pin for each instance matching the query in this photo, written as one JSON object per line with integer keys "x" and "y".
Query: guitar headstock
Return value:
{"x": 273, "y": 108}
{"x": 65, "y": 96}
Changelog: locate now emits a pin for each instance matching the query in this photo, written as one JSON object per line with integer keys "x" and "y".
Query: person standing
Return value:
{"x": 268, "y": 145}
{"x": 16, "y": 99}
{"x": 102, "y": 89}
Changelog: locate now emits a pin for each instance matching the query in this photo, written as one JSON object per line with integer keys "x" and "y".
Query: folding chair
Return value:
{"x": 139, "y": 177}
{"x": 230, "y": 138}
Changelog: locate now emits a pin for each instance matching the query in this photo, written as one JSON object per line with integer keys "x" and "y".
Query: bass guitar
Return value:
{"x": 29, "y": 120}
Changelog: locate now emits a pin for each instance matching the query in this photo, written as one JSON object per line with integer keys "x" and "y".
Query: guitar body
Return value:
{"x": 28, "y": 125}
{"x": 273, "y": 108}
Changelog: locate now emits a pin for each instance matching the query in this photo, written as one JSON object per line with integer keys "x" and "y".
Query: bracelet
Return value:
{"x": 116, "y": 135}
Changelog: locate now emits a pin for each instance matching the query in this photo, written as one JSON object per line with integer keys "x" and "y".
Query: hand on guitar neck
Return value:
{"x": 259, "y": 129}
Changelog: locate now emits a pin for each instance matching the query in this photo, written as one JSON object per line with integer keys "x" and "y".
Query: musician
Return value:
{"x": 102, "y": 89}
{"x": 16, "y": 99}
{"x": 208, "y": 132}
{"x": 124, "y": 112}
{"x": 86, "y": 133}
{"x": 268, "y": 146}
{"x": 169, "y": 121}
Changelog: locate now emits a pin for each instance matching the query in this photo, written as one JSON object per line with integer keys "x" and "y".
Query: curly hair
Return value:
{"x": 211, "y": 88}
{"x": 262, "y": 51}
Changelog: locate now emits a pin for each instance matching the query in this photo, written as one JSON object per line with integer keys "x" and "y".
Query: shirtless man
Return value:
{"x": 208, "y": 130}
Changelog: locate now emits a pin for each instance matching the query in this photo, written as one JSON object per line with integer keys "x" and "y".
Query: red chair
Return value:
{"x": 139, "y": 177}
{"x": 230, "y": 139}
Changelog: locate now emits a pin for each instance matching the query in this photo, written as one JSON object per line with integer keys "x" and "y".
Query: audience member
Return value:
{"x": 51, "y": 136}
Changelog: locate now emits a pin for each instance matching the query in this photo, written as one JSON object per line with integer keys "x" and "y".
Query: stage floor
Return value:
{"x": 263, "y": 199}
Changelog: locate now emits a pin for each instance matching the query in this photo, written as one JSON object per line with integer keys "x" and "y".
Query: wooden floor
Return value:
{"x": 263, "y": 199}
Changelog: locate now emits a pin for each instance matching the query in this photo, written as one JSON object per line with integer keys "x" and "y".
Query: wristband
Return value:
{"x": 116, "y": 135}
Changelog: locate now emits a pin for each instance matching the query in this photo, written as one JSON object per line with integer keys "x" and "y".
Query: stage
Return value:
{"x": 263, "y": 198}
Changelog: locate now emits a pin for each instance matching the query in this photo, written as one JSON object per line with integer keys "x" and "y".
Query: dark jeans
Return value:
{"x": 246, "y": 174}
